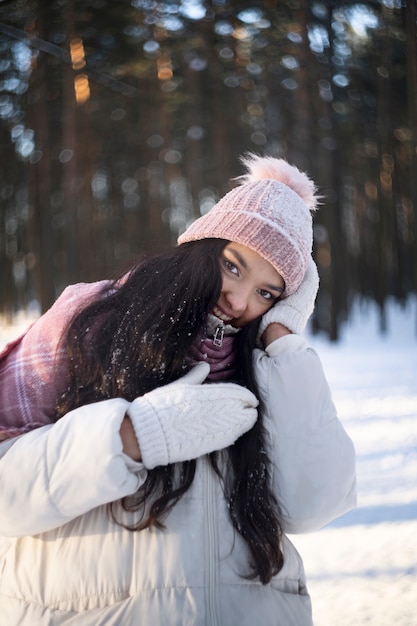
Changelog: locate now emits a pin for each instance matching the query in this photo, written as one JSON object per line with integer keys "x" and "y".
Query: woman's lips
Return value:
{"x": 222, "y": 316}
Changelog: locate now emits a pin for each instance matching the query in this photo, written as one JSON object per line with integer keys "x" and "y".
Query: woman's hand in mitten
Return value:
{"x": 185, "y": 419}
{"x": 294, "y": 311}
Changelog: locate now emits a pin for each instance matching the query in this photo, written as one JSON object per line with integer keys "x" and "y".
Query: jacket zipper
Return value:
{"x": 211, "y": 588}
{"x": 218, "y": 335}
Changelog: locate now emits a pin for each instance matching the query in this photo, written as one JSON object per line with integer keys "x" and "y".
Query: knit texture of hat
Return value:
{"x": 270, "y": 212}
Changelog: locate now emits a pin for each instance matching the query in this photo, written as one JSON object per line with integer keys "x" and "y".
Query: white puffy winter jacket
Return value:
{"x": 64, "y": 562}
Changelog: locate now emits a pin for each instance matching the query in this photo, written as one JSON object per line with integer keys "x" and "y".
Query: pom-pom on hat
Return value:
{"x": 270, "y": 212}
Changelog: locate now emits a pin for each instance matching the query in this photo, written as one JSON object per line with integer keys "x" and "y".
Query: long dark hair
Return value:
{"x": 136, "y": 337}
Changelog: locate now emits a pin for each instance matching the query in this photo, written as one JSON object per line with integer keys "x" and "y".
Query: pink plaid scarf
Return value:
{"x": 33, "y": 367}
{"x": 33, "y": 370}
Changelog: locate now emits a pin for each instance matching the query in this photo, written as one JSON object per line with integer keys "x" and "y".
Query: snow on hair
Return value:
{"x": 260, "y": 168}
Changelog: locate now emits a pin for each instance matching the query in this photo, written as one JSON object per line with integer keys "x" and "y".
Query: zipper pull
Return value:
{"x": 218, "y": 336}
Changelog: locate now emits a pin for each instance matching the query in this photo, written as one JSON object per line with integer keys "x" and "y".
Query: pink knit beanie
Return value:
{"x": 270, "y": 212}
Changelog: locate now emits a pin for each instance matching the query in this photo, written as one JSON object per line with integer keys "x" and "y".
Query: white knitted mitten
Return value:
{"x": 185, "y": 419}
{"x": 294, "y": 311}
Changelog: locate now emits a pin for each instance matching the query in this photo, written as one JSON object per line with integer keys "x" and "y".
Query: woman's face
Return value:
{"x": 250, "y": 285}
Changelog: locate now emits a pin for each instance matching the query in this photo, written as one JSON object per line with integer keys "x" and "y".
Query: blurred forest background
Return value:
{"x": 121, "y": 122}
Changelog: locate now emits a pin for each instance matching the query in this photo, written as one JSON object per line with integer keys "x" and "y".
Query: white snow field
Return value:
{"x": 362, "y": 568}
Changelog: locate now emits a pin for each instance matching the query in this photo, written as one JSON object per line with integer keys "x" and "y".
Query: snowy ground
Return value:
{"x": 362, "y": 568}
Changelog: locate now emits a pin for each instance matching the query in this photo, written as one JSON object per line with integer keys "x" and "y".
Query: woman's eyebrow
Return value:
{"x": 239, "y": 258}
{"x": 279, "y": 290}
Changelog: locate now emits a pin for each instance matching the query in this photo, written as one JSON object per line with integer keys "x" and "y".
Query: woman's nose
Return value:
{"x": 237, "y": 301}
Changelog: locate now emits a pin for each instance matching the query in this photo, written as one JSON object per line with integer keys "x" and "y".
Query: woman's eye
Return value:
{"x": 267, "y": 295}
{"x": 230, "y": 266}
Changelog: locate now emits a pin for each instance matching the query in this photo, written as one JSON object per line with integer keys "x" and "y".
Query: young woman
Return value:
{"x": 163, "y": 432}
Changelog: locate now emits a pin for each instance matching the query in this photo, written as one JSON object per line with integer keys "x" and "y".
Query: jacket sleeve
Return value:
{"x": 313, "y": 459}
{"x": 60, "y": 471}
